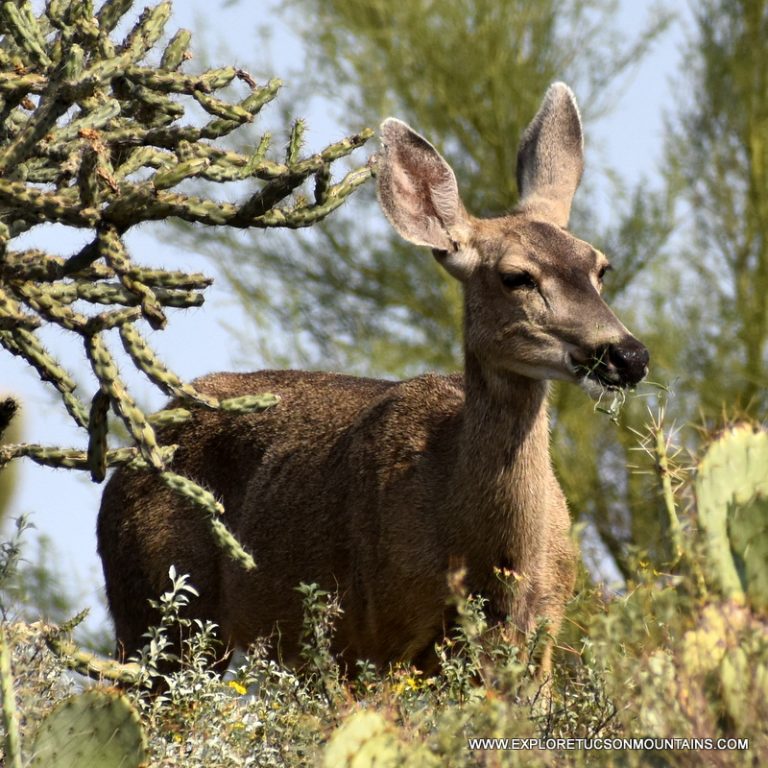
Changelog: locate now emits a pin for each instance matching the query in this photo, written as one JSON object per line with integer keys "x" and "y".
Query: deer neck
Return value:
{"x": 503, "y": 468}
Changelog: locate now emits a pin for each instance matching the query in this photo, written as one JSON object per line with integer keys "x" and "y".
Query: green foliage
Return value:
{"x": 717, "y": 159}
{"x": 35, "y": 586}
{"x": 31, "y": 587}
{"x": 321, "y": 609}
{"x": 95, "y": 137}
{"x": 732, "y": 509}
{"x": 159, "y": 648}
{"x": 96, "y": 728}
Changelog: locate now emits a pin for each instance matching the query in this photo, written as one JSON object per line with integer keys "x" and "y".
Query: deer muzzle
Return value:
{"x": 620, "y": 364}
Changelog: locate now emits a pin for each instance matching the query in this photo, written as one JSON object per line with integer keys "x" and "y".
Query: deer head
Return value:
{"x": 532, "y": 290}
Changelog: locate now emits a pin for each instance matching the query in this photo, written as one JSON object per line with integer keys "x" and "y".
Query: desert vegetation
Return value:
{"x": 102, "y": 128}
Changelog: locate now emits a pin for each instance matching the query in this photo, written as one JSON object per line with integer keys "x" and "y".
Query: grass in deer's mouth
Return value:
{"x": 604, "y": 380}
{"x": 610, "y": 401}
{"x": 607, "y": 392}
{"x": 608, "y": 398}
{"x": 598, "y": 370}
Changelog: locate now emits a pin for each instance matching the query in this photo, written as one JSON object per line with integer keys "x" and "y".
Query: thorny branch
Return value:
{"x": 93, "y": 137}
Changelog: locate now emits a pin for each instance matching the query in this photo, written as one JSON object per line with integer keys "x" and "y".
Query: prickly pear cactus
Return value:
{"x": 98, "y": 728}
{"x": 718, "y": 668}
{"x": 732, "y": 506}
{"x": 364, "y": 739}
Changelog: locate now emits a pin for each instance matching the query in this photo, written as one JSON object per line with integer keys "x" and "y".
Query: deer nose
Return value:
{"x": 629, "y": 358}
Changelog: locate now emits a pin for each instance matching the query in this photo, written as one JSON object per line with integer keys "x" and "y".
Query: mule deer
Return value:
{"x": 377, "y": 489}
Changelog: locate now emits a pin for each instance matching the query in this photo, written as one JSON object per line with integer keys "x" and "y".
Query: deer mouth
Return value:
{"x": 595, "y": 380}
{"x": 594, "y": 373}
{"x": 600, "y": 373}
{"x": 612, "y": 366}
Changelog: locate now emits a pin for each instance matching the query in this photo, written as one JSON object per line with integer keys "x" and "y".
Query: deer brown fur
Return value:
{"x": 375, "y": 489}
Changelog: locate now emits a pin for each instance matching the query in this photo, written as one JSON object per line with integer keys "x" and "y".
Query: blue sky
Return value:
{"x": 62, "y": 505}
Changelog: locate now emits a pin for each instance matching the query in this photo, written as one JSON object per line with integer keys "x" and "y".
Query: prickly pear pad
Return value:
{"x": 98, "y": 728}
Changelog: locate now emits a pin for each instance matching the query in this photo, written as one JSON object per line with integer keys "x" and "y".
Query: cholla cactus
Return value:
{"x": 94, "y": 137}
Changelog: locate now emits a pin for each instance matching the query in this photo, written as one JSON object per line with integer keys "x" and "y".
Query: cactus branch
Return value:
{"x": 91, "y": 664}
{"x": 96, "y": 137}
{"x": 663, "y": 468}
{"x": 206, "y": 501}
{"x": 10, "y": 713}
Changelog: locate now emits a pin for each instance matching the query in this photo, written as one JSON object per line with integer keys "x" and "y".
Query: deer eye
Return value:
{"x": 603, "y": 270}
{"x": 514, "y": 281}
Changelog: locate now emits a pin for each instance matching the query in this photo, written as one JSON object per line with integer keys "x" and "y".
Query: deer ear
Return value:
{"x": 551, "y": 157}
{"x": 418, "y": 191}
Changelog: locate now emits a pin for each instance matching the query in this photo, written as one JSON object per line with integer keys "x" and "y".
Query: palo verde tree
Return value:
{"x": 718, "y": 157}
{"x": 96, "y": 138}
{"x": 468, "y": 76}
{"x": 706, "y": 318}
